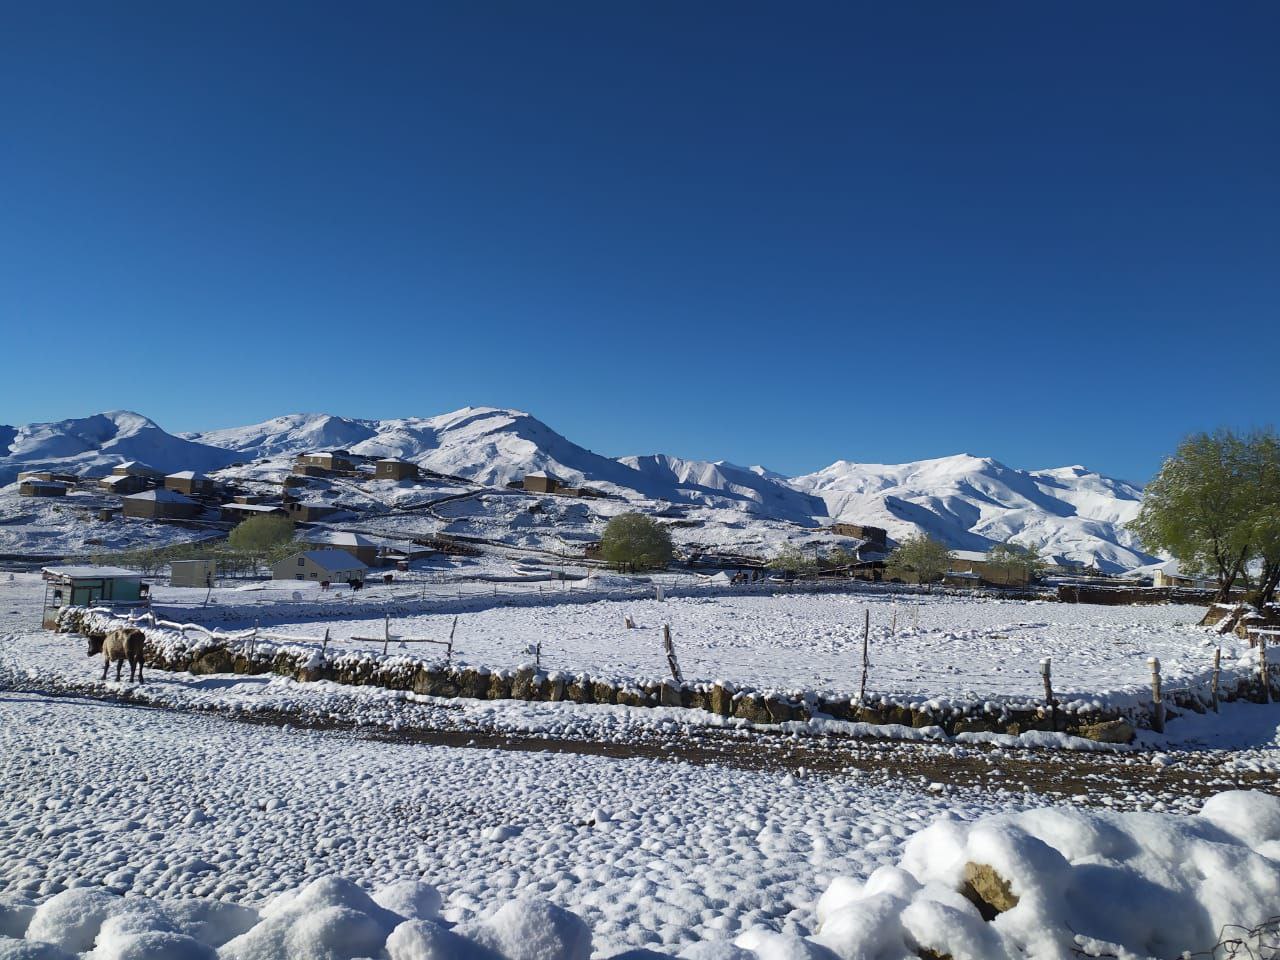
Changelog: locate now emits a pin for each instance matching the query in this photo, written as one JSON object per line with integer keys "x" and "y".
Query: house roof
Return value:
{"x": 342, "y": 538}
{"x": 112, "y": 481}
{"x": 87, "y": 572}
{"x": 47, "y": 484}
{"x": 335, "y": 561}
{"x": 254, "y": 507}
{"x": 137, "y": 465}
{"x": 407, "y": 463}
{"x": 161, "y": 496}
{"x": 185, "y": 475}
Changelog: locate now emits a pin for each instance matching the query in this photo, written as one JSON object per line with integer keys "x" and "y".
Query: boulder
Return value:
{"x": 987, "y": 890}
{"x": 721, "y": 699}
{"x": 216, "y": 660}
{"x": 1108, "y": 731}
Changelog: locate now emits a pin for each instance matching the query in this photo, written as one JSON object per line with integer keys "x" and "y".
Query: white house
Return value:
{"x": 335, "y": 566}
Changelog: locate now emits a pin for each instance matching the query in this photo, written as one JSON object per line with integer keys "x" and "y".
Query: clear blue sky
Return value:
{"x": 779, "y": 233}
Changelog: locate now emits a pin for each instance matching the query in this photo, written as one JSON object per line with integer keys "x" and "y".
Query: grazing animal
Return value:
{"x": 127, "y": 643}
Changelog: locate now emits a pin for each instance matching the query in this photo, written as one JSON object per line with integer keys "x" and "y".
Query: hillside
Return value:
{"x": 966, "y": 502}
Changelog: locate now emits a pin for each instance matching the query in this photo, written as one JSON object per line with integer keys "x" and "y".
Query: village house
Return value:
{"x": 334, "y": 461}
{"x": 190, "y": 483}
{"x": 979, "y": 563}
{"x": 124, "y": 485}
{"x": 136, "y": 468}
{"x": 540, "y": 482}
{"x": 358, "y": 545}
{"x": 41, "y": 488}
{"x": 192, "y": 573}
{"x": 161, "y": 505}
{"x": 243, "y": 511}
{"x": 1171, "y": 574}
{"x": 393, "y": 469}
{"x": 875, "y": 537}
{"x": 309, "y": 511}
{"x": 327, "y": 566}
{"x": 87, "y": 586}
{"x": 48, "y": 476}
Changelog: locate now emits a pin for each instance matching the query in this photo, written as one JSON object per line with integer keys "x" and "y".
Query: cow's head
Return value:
{"x": 95, "y": 644}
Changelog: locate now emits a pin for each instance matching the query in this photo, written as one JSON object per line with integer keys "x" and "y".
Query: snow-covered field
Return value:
{"x": 951, "y": 646}
{"x": 676, "y": 857}
{"x": 648, "y": 852}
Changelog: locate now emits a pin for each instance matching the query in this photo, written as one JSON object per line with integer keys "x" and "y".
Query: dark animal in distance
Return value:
{"x": 126, "y": 643}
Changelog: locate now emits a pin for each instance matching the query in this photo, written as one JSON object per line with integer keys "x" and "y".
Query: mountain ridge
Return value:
{"x": 966, "y": 501}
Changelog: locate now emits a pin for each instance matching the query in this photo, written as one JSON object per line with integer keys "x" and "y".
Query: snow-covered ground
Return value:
{"x": 920, "y": 645}
{"x": 648, "y": 852}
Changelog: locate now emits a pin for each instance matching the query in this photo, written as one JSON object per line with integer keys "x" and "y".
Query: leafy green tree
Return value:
{"x": 921, "y": 555}
{"x": 261, "y": 534}
{"x": 1202, "y": 507}
{"x": 632, "y": 541}
{"x": 1014, "y": 561}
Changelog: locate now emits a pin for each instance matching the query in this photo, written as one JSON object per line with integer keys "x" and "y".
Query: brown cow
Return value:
{"x": 126, "y": 643}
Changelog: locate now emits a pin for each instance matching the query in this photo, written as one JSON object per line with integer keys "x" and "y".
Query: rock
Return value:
{"x": 779, "y": 709}
{"x": 971, "y": 724}
{"x": 1108, "y": 731}
{"x": 987, "y": 890}
{"x": 721, "y": 699}
{"x": 670, "y": 694}
{"x": 580, "y": 689}
{"x": 522, "y": 684}
{"x": 217, "y": 660}
{"x": 602, "y": 691}
{"x": 499, "y": 687}
{"x": 473, "y": 683}
{"x": 751, "y": 707}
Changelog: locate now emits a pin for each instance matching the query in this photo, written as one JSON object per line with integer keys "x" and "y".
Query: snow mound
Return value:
{"x": 1045, "y": 883}
{"x": 1058, "y": 880}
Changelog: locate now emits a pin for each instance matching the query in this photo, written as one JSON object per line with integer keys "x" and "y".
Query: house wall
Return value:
{"x": 191, "y": 486}
{"x": 158, "y": 510}
{"x": 304, "y": 568}
{"x": 40, "y": 490}
{"x": 540, "y": 484}
{"x": 192, "y": 573}
{"x": 395, "y": 471}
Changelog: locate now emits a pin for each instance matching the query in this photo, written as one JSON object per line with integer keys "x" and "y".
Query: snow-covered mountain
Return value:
{"x": 93, "y": 445}
{"x": 967, "y": 502}
{"x": 972, "y": 503}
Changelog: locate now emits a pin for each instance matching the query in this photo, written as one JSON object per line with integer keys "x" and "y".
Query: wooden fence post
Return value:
{"x": 866, "y": 654}
{"x": 448, "y": 651}
{"x": 253, "y": 641}
{"x": 324, "y": 647}
{"x": 1046, "y": 668}
{"x": 386, "y": 632}
{"x": 1157, "y": 698}
{"x": 670, "y": 649}
{"x": 1213, "y": 689}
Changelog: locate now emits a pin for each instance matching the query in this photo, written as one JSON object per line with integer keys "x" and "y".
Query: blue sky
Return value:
{"x": 774, "y": 233}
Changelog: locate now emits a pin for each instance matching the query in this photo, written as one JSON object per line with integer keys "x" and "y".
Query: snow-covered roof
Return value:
{"x": 252, "y": 507}
{"x": 343, "y": 538}
{"x": 88, "y": 572}
{"x": 161, "y": 496}
{"x": 137, "y": 465}
{"x": 185, "y": 475}
{"x": 394, "y": 460}
{"x": 970, "y": 555}
{"x": 335, "y": 561}
{"x": 112, "y": 481}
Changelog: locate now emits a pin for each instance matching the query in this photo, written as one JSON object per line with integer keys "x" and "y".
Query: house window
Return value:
{"x": 301, "y": 561}
{"x": 300, "y": 577}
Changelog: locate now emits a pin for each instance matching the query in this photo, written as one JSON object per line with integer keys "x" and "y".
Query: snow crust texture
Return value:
{"x": 1070, "y": 883}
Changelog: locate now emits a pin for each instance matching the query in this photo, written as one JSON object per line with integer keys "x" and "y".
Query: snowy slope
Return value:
{"x": 971, "y": 503}
{"x": 93, "y": 445}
